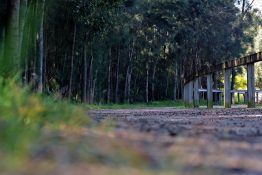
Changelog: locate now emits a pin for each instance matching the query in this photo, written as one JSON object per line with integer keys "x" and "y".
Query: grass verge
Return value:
{"x": 155, "y": 104}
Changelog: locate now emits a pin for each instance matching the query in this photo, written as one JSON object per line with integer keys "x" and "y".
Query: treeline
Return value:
{"x": 115, "y": 51}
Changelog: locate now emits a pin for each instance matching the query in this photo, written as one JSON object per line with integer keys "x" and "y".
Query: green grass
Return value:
{"x": 155, "y": 104}
{"x": 24, "y": 115}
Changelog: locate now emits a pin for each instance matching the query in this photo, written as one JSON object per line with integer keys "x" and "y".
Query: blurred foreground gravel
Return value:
{"x": 161, "y": 141}
{"x": 218, "y": 141}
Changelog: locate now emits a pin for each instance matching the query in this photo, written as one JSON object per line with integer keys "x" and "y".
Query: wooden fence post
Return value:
{"x": 251, "y": 85}
{"x": 209, "y": 91}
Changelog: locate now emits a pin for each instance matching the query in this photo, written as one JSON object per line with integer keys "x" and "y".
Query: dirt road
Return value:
{"x": 218, "y": 141}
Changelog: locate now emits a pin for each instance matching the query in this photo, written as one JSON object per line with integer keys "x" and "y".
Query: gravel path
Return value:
{"x": 197, "y": 141}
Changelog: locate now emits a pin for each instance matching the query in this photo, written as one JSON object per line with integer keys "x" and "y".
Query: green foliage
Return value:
{"x": 23, "y": 116}
{"x": 241, "y": 81}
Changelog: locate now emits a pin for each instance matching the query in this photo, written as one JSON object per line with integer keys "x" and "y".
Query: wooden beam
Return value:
{"x": 205, "y": 70}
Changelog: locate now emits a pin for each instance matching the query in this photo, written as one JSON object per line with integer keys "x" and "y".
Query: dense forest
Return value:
{"x": 120, "y": 51}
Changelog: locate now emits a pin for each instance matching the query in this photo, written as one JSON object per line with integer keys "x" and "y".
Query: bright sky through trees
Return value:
{"x": 258, "y": 4}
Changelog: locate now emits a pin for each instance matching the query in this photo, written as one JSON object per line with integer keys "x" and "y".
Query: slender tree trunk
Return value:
{"x": 25, "y": 54}
{"x": 153, "y": 80}
{"x": 147, "y": 83}
{"x": 167, "y": 85}
{"x": 117, "y": 76}
{"x": 175, "y": 89}
{"x": 109, "y": 78}
{"x": 129, "y": 86}
{"x": 64, "y": 62}
{"x": 34, "y": 76}
{"x": 128, "y": 75}
{"x": 40, "y": 84}
{"x": 24, "y": 40}
{"x": 93, "y": 89}
{"x": 12, "y": 37}
{"x": 85, "y": 76}
{"x": 243, "y": 6}
{"x": 241, "y": 27}
{"x": 72, "y": 64}
{"x": 2, "y": 44}
{"x": 126, "y": 84}
{"x": 181, "y": 83}
{"x": 23, "y": 14}
{"x": 175, "y": 82}
{"x": 90, "y": 79}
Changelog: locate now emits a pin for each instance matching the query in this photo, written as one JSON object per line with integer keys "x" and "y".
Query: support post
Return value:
{"x": 251, "y": 85}
{"x": 188, "y": 95}
{"x": 245, "y": 97}
{"x": 257, "y": 97}
{"x": 209, "y": 91}
{"x": 220, "y": 98}
{"x": 185, "y": 96}
{"x": 227, "y": 89}
{"x": 196, "y": 93}
{"x": 233, "y": 98}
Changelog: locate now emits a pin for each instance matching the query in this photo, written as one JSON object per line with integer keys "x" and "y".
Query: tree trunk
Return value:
{"x": 129, "y": 86}
{"x": 153, "y": 80}
{"x": 147, "y": 83}
{"x": 40, "y": 84}
{"x": 72, "y": 64}
{"x": 117, "y": 76}
{"x": 24, "y": 40}
{"x": 129, "y": 75}
{"x": 109, "y": 78}
{"x": 175, "y": 82}
{"x": 126, "y": 83}
{"x": 85, "y": 76}
{"x": 11, "y": 52}
{"x": 90, "y": 79}
{"x": 2, "y": 44}
{"x": 23, "y": 14}
{"x": 243, "y": 6}
{"x": 181, "y": 70}
{"x": 93, "y": 89}
{"x": 167, "y": 84}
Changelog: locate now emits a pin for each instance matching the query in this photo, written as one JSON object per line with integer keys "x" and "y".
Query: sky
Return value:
{"x": 258, "y": 4}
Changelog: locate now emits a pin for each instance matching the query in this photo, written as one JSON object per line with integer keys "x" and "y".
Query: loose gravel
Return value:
{"x": 217, "y": 141}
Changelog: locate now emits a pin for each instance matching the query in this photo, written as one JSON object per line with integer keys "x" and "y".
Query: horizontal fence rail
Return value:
{"x": 253, "y": 58}
{"x": 232, "y": 91}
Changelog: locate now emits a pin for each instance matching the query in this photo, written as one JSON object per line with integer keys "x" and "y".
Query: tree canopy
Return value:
{"x": 115, "y": 51}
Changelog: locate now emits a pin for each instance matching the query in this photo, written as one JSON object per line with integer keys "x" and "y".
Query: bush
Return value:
{"x": 23, "y": 116}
